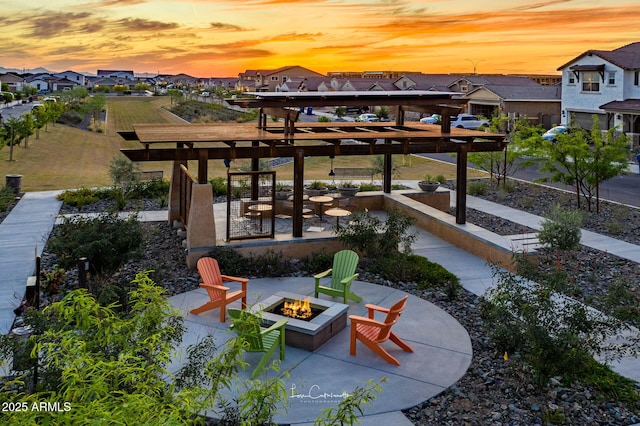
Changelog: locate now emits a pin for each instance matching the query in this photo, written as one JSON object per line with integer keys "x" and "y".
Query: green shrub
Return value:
{"x": 79, "y": 198}
{"x": 477, "y": 188}
{"x": 561, "y": 230}
{"x": 369, "y": 235}
{"x": 316, "y": 262}
{"x": 106, "y": 241}
{"x": 269, "y": 264}
{"x": 402, "y": 267}
{"x": 554, "y": 334}
{"x": 219, "y": 186}
{"x": 7, "y": 196}
{"x": 367, "y": 187}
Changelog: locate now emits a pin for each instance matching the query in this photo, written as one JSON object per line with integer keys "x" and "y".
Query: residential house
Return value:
{"x": 268, "y": 80}
{"x": 121, "y": 77}
{"x": 62, "y": 84}
{"x": 14, "y": 82}
{"x": 605, "y": 83}
{"x": 419, "y": 81}
{"x": 540, "y": 104}
{"x": 76, "y": 77}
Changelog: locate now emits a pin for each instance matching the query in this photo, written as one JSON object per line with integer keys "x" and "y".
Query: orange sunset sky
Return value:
{"x": 206, "y": 38}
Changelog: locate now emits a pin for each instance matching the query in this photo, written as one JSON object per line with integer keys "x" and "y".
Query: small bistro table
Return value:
{"x": 337, "y": 212}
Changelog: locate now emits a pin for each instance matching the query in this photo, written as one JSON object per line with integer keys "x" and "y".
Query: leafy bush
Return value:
{"x": 561, "y": 230}
{"x": 269, "y": 264}
{"x": 78, "y": 198}
{"x": 316, "y": 262}
{"x": 369, "y": 235}
{"x": 554, "y": 334}
{"x": 219, "y": 186}
{"x": 477, "y": 188}
{"x": 106, "y": 241}
{"x": 7, "y": 196}
{"x": 402, "y": 267}
{"x": 367, "y": 187}
{"x": 122, "y": 170}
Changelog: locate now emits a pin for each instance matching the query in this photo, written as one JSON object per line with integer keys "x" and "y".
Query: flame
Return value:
{"x": 297, "y": 308}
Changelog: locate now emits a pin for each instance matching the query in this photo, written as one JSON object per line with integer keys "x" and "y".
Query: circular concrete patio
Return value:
{"x": 442, "y": 352}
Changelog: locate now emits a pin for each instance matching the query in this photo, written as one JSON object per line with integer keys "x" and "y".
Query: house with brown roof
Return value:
{"x": 605, "y": 83}
{"x": 268, "y": 80}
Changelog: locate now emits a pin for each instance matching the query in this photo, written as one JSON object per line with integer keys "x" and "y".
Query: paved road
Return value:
{"x": 621, "y": 189}
{"x": 15, "y": 109}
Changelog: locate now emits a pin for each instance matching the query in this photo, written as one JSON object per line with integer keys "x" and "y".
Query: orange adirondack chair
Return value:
{"x": 372, "y": 332}
{"x": 213, "y": 282}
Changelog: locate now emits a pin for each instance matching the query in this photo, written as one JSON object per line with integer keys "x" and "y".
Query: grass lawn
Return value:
{"x": 65, "y": 157}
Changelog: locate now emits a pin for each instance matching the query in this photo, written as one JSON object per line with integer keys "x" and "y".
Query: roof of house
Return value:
{"x": 626, "y": 57}
{"x": 432, "y": 81}
{"x": 535, "y": 92}
{"x": 10, "y": 78}
{"x": 626, "y": 105}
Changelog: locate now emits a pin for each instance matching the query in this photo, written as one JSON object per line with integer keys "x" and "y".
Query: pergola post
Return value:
{"x": 388, "y": 166}
{"x": 461, "y": 179}
{"x": 298, "y": 189}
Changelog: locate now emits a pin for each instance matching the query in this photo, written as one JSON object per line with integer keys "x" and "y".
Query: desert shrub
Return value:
{"x": 367, "y": 187}
{"x": 369, "y": 235}
{"x": 622, "y": 300}
{"x": 561, "y": 230}
{"x": 477, "y": 188}
{"x": 316, "y": 262}
{"x": 402, "y": 267}
{"x": 269, "y": 264}
{"x": 122, "y": 170}
{"x": 106, "y": 241}
{"x": 7, "y": 196}
{"x": 79, "y": 198}
{"x": 219, "y": 186}
{"x": 554, "y": 334}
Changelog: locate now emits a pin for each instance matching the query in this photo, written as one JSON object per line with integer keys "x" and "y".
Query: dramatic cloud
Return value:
{"x": 226, "y": 27}
{"x": 140, "y": 24}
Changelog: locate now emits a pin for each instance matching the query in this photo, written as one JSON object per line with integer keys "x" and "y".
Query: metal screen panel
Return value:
{"x": 250, "y": 205}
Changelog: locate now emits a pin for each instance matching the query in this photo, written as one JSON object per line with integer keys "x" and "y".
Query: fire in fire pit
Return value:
{"x": 299, "y": 309}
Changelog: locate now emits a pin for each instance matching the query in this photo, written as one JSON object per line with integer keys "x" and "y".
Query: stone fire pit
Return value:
{"x": 299, "y": 333}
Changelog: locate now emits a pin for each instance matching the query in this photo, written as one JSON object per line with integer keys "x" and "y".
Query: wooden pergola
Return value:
{"x": 202, "y": 142}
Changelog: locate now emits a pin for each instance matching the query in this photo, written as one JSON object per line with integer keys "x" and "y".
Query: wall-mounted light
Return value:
{"x": 563, "y": 113}
{"x": 618, "y": 117}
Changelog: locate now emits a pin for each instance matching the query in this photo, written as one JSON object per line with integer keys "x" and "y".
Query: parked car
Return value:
{"x": 367, "y": 118}
{"x": 551, "y": 134}
{"x": 36, "y": 105}
{"x": 468, "y": 121}
{"x": 432, "y": 119}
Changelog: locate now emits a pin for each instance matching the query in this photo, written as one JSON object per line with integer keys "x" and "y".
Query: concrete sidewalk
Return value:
{"x": 23, "y": 235}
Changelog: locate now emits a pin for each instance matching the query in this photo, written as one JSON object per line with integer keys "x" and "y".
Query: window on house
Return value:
{"x": 464, "y": 88}
{"x": 591, "y": 82}
{"x": 572, "y": 78}
{"x": 611, "y": 78}
{"x": 274, "y": 78}
{"x": 636, "y": 78}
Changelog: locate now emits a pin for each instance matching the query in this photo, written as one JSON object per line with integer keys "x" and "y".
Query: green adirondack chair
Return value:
{"x": 342, "y": 274}
{"x": 258, "y": 338}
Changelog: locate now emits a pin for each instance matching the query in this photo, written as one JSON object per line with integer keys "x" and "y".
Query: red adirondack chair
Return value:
{"x": 213, "y": 282}
{"x": 372, "y": 333}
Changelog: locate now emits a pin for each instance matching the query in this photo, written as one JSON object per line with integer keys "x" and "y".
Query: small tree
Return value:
{"x": 517, "y": 154}
{"x": 583, "y": 160}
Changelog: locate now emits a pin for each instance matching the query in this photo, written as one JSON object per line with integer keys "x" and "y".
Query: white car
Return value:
{"x": 367, "y": 118}
{"x": 468, "y": 121}
{"x": 432, "y": 119}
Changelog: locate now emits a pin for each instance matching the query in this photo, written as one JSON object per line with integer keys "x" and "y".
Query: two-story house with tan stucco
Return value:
{"x": 605, "y": 83}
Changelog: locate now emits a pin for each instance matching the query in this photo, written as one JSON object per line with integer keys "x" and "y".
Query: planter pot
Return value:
{"x": 428, "y": 187}
{"x": 315, "y": 192}
{"x": 348, "y": 192}
{"x": 283, "y": 195}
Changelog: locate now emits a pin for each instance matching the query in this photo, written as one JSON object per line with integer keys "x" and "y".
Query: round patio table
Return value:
{"x": 337, "y": 212}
